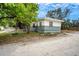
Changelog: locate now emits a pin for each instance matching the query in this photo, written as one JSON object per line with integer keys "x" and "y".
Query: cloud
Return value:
{"x": 45, "y": 7}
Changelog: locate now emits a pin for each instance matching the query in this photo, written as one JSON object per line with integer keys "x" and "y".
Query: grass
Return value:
{"x": 68, "y": 31}
{"x": 8, "y": 38}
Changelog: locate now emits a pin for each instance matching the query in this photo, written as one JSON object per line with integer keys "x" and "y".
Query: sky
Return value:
{"x": 45, "y": 7}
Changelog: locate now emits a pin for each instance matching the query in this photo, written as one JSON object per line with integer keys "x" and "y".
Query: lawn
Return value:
{"x": 8, "y": 38}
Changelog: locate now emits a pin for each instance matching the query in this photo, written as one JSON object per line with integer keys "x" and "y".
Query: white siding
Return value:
{"x": 41, "y": 23}
{"x": 45, "y": 23}
{"x": 57, "y": 24}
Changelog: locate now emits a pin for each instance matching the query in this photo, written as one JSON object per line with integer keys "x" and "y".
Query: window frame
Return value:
{"x": 40, "y": 23}
{"x": 50, "y": 23}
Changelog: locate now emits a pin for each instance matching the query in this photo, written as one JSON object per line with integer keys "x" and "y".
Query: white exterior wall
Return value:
{"x": 39, "y": 23}
{"x": 45, "y": 23}
{"x": 57, "y": 24}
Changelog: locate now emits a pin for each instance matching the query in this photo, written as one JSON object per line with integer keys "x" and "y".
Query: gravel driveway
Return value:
{"x": 62, "y": 45}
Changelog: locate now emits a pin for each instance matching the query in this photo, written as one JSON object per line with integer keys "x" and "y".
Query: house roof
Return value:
{"x": 52, "y": 19}
{"x": 49, "y": 19}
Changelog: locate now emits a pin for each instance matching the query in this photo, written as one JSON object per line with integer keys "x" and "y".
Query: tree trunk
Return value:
{"x": 28, "y": 29}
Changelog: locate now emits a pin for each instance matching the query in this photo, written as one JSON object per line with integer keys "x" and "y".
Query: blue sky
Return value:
{"x": 45, "y": 7}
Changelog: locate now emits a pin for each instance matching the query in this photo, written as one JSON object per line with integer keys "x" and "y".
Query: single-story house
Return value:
{"x": 47, "y": 25}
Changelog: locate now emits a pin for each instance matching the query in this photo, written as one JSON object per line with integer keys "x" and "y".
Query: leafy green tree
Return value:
{"x": 20, "y": 13}
{"x": 4, "y": 22}
{"x": 59, "y": 13}
{"x": 75, "y": 24}
{"x": 67, "y": 24}
{"x": 62, "y": 15}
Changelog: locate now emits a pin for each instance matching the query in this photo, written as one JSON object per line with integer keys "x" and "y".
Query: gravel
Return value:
{"x": 55, "y": 46}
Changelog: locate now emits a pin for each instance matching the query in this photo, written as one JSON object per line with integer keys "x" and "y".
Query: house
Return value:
{"x": 47, "y": 25}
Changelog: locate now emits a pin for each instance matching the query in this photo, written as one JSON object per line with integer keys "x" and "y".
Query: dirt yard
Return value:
{"x": 61, "y": 45}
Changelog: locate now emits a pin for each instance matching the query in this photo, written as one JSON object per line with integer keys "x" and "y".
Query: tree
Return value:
{"x": 75, "y": 24}
{"x": 20, "y": 13}
{"x": 67, "y": 24}
{"x": 58, "y": 13}
{"x": 62, "y": 15}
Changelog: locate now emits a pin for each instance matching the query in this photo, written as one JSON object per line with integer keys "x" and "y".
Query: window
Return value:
{"x": 40, "y": 23}
{"x": 33, "y": 25}
{"x": 50, "y": 23}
